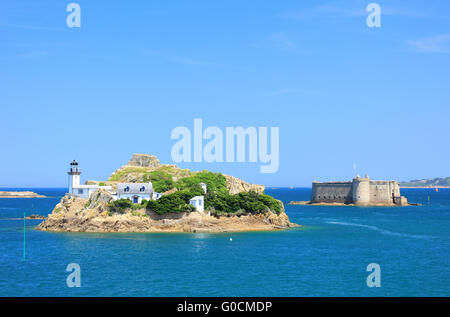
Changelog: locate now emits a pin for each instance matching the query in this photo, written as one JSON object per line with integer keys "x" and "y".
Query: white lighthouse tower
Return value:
{"x": 74, "y": 176}
{"x": 75, "y": 189}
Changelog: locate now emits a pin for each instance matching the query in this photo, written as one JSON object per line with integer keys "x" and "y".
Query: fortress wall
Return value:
{"x": 396, "y": 188}
{"x": 361, "y": 191}
{"x": 384, "y": 191}
{"x": 340, "y": 192}
{"x": 381, "y": 192}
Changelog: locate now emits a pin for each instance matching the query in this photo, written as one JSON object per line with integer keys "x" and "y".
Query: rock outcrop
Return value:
{"x": 143, "y": 160}
{"x": 74, "y": 214}
{"x": 236, "y": 185}
{"x": 34, "y": 216}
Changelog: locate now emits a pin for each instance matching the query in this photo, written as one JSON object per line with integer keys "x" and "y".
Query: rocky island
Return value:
{"x": 19, "y": 194}
{"x": 34, "y": 217}
{"x": 230, "y": 204}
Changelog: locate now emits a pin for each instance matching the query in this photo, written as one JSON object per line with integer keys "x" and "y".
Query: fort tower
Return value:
{"x": 361, "y": 191}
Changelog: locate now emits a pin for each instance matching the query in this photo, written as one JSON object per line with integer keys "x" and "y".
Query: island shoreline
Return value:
{"x": 75, "y": 214}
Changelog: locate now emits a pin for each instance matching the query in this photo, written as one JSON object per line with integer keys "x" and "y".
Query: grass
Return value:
{"x": 120, "y": 175}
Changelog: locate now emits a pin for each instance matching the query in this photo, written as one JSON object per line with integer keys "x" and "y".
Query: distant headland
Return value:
{"x": 19, "y": 194}
{"x": 146, "y": 196}
{"x": 438, "y": 182}
{"x": 358, "y": 192}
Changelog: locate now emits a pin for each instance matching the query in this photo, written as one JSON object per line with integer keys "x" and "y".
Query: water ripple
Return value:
{"x": 382, "y": 231}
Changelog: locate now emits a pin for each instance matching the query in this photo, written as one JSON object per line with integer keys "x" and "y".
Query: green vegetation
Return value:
{"x": 174, "y": 171}
{"x": 187, "y": 188}
{"x": 121, "y": 205}
{"x": 146, "y": 174}
{"x": 120, "y": 175}
{"x": 101, "y": 184}
{"x": 176, "y": 203}
{"x": 215, "y": 182}
{"x": 242, "y": 203}
{"x": 161, "y": 181}
{"x": 217, "y": 200}
{"x": 138, "y": 214}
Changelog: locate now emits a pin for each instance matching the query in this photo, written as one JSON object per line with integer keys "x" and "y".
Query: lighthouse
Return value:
{"x": 74, "y": 176}
{"x": 77, "y": 190}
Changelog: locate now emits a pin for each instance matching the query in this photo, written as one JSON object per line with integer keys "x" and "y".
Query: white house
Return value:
{"x": 203, "y": 185}
{"x": 156, "y": 196}
{"x": 75, "y": 188}
{"x": 135, "y": 192}
{"x": 198, "y": 202}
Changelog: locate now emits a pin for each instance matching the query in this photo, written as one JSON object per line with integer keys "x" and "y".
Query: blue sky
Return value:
{"x": 340, "y": 92}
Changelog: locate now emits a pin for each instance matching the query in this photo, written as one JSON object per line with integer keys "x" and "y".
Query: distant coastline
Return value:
{"x": 438, "y": 182}
{"x": 20, "y": 194}
{"x": 425, "y": 187}
{"x": 309, "y": 203}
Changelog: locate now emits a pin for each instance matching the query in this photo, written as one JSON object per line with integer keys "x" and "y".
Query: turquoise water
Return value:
{"x": 328, "y": 256}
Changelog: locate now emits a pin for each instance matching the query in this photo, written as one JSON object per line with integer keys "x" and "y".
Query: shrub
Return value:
{"x": 242, "y": 203}
{"x": 215, "y": 182}
{"x": 176, "y": 202}
{"x": 270, "y": 202}
{"x": 120, "y": 205}
{"x": 161, "y": 181}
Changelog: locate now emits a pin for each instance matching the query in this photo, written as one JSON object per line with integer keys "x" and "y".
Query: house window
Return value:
{"x": 142, "y": 189}
{"x": 80, "y": 191}
{"x": 199, "y": 202}
{"x": 127, "y": 189}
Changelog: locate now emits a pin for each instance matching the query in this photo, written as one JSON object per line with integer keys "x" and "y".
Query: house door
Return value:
{"x": 135, "y": 199}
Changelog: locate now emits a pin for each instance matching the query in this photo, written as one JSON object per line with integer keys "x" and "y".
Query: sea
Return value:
{"x": 335, "y": 252}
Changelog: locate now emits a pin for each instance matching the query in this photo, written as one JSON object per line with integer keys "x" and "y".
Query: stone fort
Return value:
{"x": 360, "y": 191}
